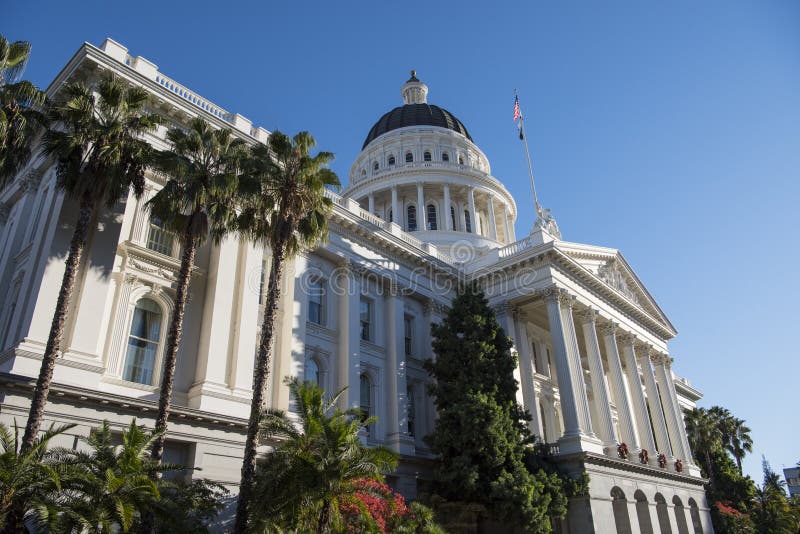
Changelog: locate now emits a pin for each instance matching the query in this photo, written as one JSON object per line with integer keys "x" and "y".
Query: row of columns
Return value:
{"x": 348, "y": 359}
{"x": 445, "y": 220}
{"x": 638, "y": 400}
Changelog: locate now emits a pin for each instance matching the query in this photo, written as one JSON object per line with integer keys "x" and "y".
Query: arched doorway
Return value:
{"x": 680, "y": 515}
{"x": 663, "y": 514}
{"x": 643, "y": 513}
{"x": 620, "y": 507}
{"x": 694, "y": 512}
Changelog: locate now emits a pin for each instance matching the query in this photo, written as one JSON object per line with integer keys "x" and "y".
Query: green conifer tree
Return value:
{"x": 481, "y": 434}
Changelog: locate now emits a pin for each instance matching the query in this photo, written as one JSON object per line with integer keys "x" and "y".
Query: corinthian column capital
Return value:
{"x": 557, "y": 294}
{"x": 587, "y": 315}
{"x": 608, "y": 329}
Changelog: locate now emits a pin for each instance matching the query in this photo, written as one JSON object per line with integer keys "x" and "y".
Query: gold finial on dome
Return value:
{"x": 413, "y": 73}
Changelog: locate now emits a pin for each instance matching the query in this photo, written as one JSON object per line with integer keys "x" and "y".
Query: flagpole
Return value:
{"x": 527, "y": 155}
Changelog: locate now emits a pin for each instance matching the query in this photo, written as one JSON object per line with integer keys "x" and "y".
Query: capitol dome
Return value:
{"x": 420, "y": 169}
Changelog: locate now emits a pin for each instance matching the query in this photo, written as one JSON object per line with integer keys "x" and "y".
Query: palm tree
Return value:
{"x": 19, "y": 108}
{"x": 740, "y": 442}
{"x": 96, "y": 138}
{"x": 116, "y": 488}
{"x": 315, "y": 467}
{"x": 704, "y": 435}
{"x": 29, "y": 479}
{"x": 284, "y": 207}
{"x": 197, "y": 200}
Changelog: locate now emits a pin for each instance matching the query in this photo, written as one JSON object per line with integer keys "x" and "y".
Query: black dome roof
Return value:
{"x": 415, "y": 115}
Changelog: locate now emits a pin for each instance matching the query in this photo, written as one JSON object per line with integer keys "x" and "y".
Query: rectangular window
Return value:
{"x": 366, "y": 319}
{"x": 412, "y": 412}
{"x": 158, "y": 239}
{"x": 408, "y": 324}
{"x": 316, "y": 301}
{"x": 535, "y": 358}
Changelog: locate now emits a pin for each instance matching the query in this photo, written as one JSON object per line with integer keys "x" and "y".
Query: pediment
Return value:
{"x": 610, "y": 266}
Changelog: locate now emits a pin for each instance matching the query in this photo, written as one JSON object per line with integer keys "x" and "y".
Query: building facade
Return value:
{"x": 420, "y": 213}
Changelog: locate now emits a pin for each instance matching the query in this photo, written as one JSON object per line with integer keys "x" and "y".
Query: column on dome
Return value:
{"x": 348, "y": 366}
{"x": 472, "y": 219}
{"x": 645, "y": 433}
{"x": 395, "y": 206}
{"x": 578, "y": 434}
{"x": 654, "y": 401}
{"x": 605, "y": 424}
{"x": 672, "y": 410}
{"x": 422, "y": 213}
{"x": 371, "y": 203}
{"x": 396, "y": 388}
{"x": 506, "y": 224}
{"x": 492, "y": 220}
{"x": 616, "y": 378}
{"x": 446, "y": 209}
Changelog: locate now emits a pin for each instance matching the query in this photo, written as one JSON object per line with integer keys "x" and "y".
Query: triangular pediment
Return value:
{"x": 610, "y": 266}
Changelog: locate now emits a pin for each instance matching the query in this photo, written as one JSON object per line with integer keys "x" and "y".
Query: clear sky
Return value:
{"x": 669, "y": 130}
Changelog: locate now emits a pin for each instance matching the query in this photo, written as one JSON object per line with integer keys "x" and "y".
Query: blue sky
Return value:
{"x": 668, "y": 130}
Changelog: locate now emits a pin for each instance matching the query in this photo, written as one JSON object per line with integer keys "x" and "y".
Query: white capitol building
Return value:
{"x": 420, "y": 212}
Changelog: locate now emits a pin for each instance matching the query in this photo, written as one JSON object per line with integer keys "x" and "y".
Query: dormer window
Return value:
{"x": 426, "y": 156}
{"x": 409, "y": 157}
{"x": 445, "y": 156}
{"x": 391, "y": 159}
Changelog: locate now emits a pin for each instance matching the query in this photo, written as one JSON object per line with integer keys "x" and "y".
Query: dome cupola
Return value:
{"x": 420, "y": 170}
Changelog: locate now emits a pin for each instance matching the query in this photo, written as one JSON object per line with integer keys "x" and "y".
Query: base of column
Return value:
{"x": 401, "y": 443}
{"x": 579, "y": 443}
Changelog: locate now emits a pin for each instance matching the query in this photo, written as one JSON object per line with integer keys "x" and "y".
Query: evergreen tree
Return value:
{"x": 481, "y": 434}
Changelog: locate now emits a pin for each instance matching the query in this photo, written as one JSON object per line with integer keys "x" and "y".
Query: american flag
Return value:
{"x": 517, "y": 114}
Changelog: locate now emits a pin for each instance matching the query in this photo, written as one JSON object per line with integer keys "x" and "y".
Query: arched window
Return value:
{"x": 663, "y": 514}
{"x": 143, "y": 342}
{"x": 411, "y": 218}
{"x": 158, "y": 239}
{"x": 312, "y": 372}
{"x": 620, "y": 507}
{"x": 467, "y": 222}
{"x": 426, "y": 156}
{"x": 643, "y": 512}
{"x": 680, "y": 515}
{"x": 409, "y": 157}
{"x": 363, "y": 173}
{"x": 460, "y": 160}
{"x": 391, "y": 159}
{"x": 432, "y": 217}
{"x": 375, "y": 167}
{"x": 694, "y": 511}
{"x": 412, "y": 411}
{"x": 453, "y": 218}
{"x": 445, "y": 156}
{"x": 365, "y": 397}
{"x": 391, "y": 215}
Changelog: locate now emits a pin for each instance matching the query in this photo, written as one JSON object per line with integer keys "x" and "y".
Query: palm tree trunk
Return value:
{"x": 259, "y": 389}
{"x": 173, "y": 343}
{"x": 323, "y": 517}
{"x": 53, "y": 346}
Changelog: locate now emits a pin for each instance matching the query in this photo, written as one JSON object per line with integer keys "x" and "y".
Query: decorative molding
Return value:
{"x": 611, "y": 274}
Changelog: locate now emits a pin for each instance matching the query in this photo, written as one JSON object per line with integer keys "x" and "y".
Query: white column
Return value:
{"x": 492, "y": 220}
{"x": 371, "y": 203}
{"x": 654, "y": 402}
{"x": 396, "y": 384}
{"x": 472, "y": 218}
{"x": 422, "y": 215}
{"x": 672, "y": 410}
{"x": 246, "y": 331}
{"x": 395, "y": 207}
{"x": 645, "y": 433}
{"x": 447, "y": 218}
{"x": 506, "y": 230}
{"x": 215, "y": 331}
{"x": 578, "y": 433}
{"x": 605, "y": 424}
{"x": 348, "y": 325}
{"x": 530, "y": 400}
{"x": 620, "y": 394}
